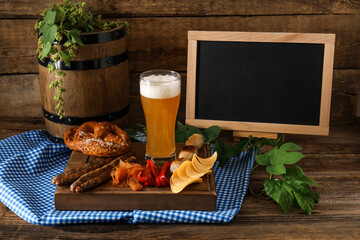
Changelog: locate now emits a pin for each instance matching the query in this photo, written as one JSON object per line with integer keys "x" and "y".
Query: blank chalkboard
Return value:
{"x": 261, "y": 81}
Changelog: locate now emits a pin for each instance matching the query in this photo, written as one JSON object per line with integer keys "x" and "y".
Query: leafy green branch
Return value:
{"x": 59, "y": 32}
{"x": 292, "y": 186}
{"x": 293, "y": 190}
{"x": 288, "y": 186}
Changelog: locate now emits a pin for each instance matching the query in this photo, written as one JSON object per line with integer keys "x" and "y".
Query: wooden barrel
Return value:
{"x": 97, "y": 84}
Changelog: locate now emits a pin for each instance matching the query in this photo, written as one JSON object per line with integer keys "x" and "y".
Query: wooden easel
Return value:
{"x": 244, "y": 134}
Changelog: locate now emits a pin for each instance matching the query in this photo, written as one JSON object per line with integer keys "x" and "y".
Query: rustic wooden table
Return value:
{"x": 332, "y": 161}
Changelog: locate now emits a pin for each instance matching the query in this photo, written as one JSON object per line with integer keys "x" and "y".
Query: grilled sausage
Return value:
{"x": 69, "y": 178}
{"x": 96, "y": 172}
{"x": 67, "y": 173}
{"x": 93, "y": 182}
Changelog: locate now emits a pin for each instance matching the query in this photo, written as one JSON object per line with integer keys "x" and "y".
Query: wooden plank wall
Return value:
{"x": 158, "y": 39}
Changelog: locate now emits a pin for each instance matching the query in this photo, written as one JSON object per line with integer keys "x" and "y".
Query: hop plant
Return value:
{"x": 65, "y": 22}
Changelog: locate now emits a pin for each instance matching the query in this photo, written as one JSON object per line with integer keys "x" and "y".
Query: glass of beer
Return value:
{"x": 160, "y": 98}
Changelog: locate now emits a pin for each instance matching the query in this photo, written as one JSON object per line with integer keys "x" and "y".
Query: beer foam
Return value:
{"x": 160, "y": 86}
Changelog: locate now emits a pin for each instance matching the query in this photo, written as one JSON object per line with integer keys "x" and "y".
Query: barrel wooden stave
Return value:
{"x": 89, "y": 93}
{"x": 101, "y": 50}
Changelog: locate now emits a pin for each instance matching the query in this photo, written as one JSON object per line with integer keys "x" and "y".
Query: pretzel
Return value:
{"x": 69, "y": 138}
{"x": 101, "y": 139}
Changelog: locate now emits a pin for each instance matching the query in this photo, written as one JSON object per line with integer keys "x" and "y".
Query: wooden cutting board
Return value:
{"x": 198, "y": 196}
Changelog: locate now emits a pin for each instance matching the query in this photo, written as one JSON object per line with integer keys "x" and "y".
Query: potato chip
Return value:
{"x": 175, "y": 180}
{"x": 176, "y": 189}
{"x": 182, "y": 171}
{"x": 193, "y": 163}
{"x": 192, "y": 173}
{"x": 179, "y": 177}
{"x": 208, "y": 161}
{"x": 200, "y": 167}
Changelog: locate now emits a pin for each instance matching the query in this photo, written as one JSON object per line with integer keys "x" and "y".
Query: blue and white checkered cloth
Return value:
{"x": 29, "y": 161}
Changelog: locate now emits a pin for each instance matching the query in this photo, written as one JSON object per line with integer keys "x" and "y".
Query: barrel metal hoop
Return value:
{"x": 88, "y": 64}
{"x": 103, "y": 37}
{"x": 55, "y": 139}
{"x": 66, "y": 120}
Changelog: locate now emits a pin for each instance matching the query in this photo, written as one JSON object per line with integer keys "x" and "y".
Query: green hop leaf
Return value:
{"x": 50, "y": 17}
{"x": 211, "y": 133}
{"x": 280, "y": 194}
{"x": 67, "y": 25}
{"x": 237, "y": 148}
{"x": 293, "y": 157}
{"x": 264, "y": 159}
{"x": 183, "y": 132}
{"x": 66, "y": 58}
{"x": 221, "y": 148}
{"x": 294, "y": 190}
{"x": 140, "y": 126}
{"x": 180, "y": 132}
{"x": 265, "y": 141}
{"x": 75, "y": 36}
{"x": 131, "y": 133}
{"x": 290, "y": 147}
{"x": 49, "y": 34}
{"x": 275, "y": 159}
{"x": 276, "y": 169}
{"x": 225, "y": 152}
{"x": 45, "y": 50}
{"x": 304, "y": 197}
{"x": 296, "y": 173}
{"x": 60, "y": 14}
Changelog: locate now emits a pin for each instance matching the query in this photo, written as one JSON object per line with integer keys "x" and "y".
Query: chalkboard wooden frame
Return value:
{"x": 329, "y": 44}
